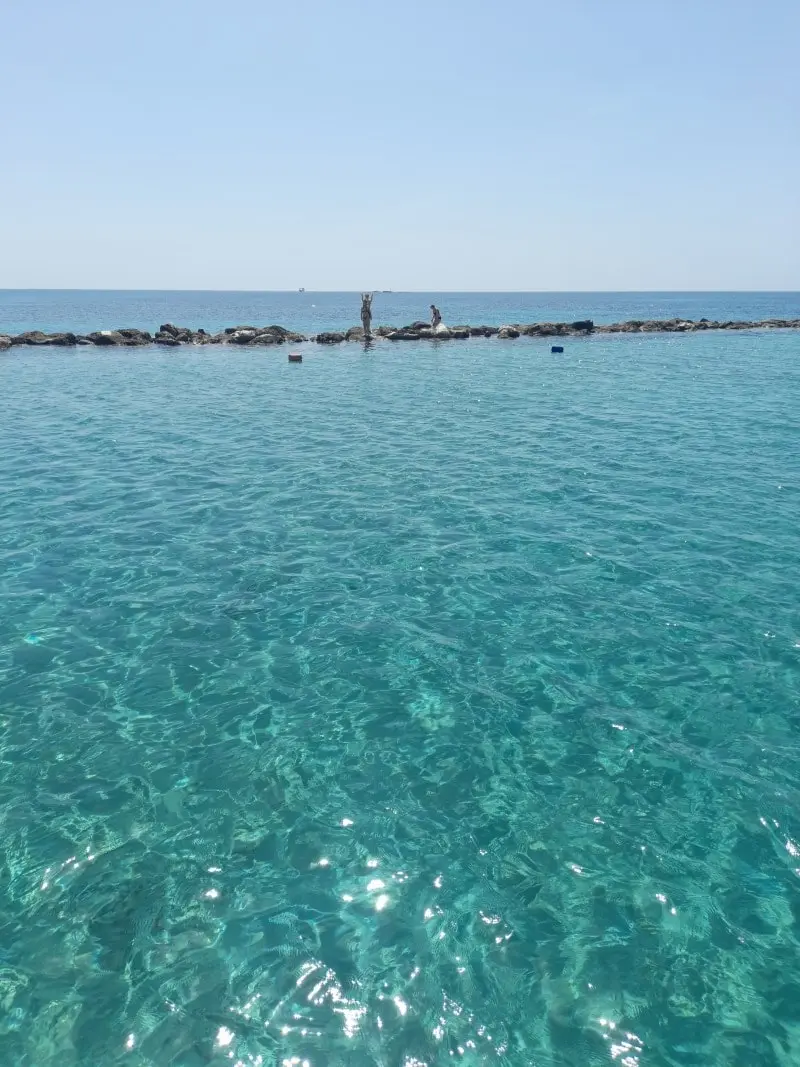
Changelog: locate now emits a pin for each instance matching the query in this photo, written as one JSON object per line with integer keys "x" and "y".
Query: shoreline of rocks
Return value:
{"x": 172, "y": 336}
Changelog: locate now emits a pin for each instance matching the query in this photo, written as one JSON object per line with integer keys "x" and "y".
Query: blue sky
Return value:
{"x": 339, "y": 145}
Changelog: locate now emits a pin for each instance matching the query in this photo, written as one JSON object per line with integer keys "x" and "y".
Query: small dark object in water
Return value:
{"x": 557, "y": 348}
{"x": 295, "y": 357}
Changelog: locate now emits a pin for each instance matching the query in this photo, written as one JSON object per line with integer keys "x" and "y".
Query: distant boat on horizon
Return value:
{"x": 301, "y": 290}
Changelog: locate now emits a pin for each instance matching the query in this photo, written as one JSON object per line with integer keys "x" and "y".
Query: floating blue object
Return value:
{"x": 557, "y": 348}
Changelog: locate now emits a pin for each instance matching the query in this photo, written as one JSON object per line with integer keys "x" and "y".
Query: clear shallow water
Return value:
{"x": 84, "y": 311}
{"x": 426, "y": 705}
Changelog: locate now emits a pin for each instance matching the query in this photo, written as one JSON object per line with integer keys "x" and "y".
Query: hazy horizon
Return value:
{"x": 544, "y": 292}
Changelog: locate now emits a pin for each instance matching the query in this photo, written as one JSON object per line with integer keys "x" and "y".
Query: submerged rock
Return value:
{"x": 329, "y": 338}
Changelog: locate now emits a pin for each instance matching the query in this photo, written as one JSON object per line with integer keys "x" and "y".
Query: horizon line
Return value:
{"x": 378, "y": 292}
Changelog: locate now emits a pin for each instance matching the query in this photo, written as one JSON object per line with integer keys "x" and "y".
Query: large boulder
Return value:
{"x": 120, "y": 338}
{"x": 331, "y": 337}
{"x": 167, "y": 339}
{"x": 263, "y": 335}
{"x": 282, "y": 334}
{"x": 383, "y": 331}
{"x": 460, "y": 333}
{"x": 406, "y": 334}
{"x": 249, "y": 337}
{"x": 483, "y": 331}
{"x": 180, "y": 333}
{"x": 507, "y": 332}
{"x": 583, "y": 326}
{"x": 37, "y": 338}
{"x": 355, "y": 333}
{"x": 5, "y": 341}
{"x": 136, "y": 337}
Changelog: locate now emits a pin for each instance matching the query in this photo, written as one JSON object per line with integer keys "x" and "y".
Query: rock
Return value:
{"x": 507, "y": 332}
{"x": 405, "y": 334}
{"x": 330, "y": 338}
{"x": 37, "y": 338}
{"x": 441, "y": 333}
{"x": 283, "y": 334}
{"x": 383, "y": 331}
{"x": 31, "y": 337}
{"x": 167, "y": 339}
{"x": 417, "y": 326}
{"x": 5, "y": 341}
{"x": 545, "y": 329}
{"x": 355, "y": 333}
{"x": 262, "y": 335}
{"x": 583, "y": 326}
{"x": 120, "y": 338}
{"x": 180, "y": 333}
{"x": 460, "y": 333}
{"x": 138, "y": 337}
{"x": 483, "y": 331}
{"x": 241, "y": 337}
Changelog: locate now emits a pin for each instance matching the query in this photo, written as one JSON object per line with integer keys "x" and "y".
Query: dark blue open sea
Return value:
{"x": 434, "y": 704}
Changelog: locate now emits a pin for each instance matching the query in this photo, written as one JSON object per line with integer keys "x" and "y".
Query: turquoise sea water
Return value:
{"x": 433, "y": 704}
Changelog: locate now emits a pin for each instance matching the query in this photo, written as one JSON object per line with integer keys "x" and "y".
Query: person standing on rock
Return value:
{"x": 436, "y": 317}
{"x": 366, "y": 314}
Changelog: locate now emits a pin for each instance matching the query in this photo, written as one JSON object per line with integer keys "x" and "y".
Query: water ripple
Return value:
{"x": 418, "y": 706}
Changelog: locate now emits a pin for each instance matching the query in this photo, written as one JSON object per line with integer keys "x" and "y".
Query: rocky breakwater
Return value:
{"x": 167, "y": 334}
{"x": 173, "y": 336}
{"x": 244, "y": 336}
{"x": 692, "y": 326}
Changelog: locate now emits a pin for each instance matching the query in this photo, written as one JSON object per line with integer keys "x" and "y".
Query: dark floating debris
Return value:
{"x": 557, "y": 348}
{"x": 295, "y": 357}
